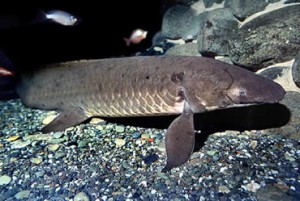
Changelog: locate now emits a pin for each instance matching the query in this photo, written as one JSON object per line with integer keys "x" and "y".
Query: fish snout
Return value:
{"x": 275, "y": 93}
{"x": 259, "y": 92}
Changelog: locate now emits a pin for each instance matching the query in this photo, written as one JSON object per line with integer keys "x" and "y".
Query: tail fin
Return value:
{"x": 127, "y": 41}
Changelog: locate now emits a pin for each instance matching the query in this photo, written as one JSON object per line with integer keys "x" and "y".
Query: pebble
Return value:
{"x": 252, "y": 186}
{"x": 59, "y": 155}
{"x": 22, "y": 195}
{"x": 53, "y": 147}
{"x": 19, "y": 144}
{"x": 12, "y": 138}
{"x": 120, "y": 129}
{"x": 82, "y": 196}
{"x": 36, "y": 160}
{"x": 223, "y": 169}
{"x": 56, "y": 141}
{"x": 288, "y": 157}
{"x": 253, "y": 144}
{"x": 153, "y": 191}
{"x": 99, "y": 127}
{"x": 150, "y": 159}
{"x": 40, "y": 173}
{"x": 223, "y": 189}
{"x": 96, "y": 120}
{"x": 39, "y": 137}
{"x": 145, "y": 136}
{"x": 161, "y": 147}
{"x": 136, "y": 135}
{"x": 4, "y": 180}
{"x": 49, "y": 118}
{"x": 212, "y": 152}
{"x": 82, "y": 143}
{"x": 57, "y": 135}
{"x": 120, "y": 142}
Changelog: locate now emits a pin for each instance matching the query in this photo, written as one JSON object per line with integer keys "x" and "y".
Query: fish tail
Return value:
{"x": 127, "y": 41}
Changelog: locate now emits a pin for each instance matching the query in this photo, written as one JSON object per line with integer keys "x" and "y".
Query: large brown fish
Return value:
{"x": 145, "y": 86}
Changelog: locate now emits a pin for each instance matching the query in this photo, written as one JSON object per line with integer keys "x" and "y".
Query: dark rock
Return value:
{"x": 286, "y": 13}
{"x": 290, "y": 130}
{"x": 150, "y": 159}
{"x": 296, "y": 70}
{"x": 188, "y": 49}
{"x": 9, "y": 193}
{"x": 217, "y": 28}
{"x": 292, "y": 1}
{"x": 274, "y": 72}
{"x": 177, "y": 21}
{"x": 209, "y": 3}
{"x": 244, "y": 8}
{"x": 270, "y": 38}
{"x": 166, "y": 4}
{"x": 271, "y": 192}
{"x": 158, "y": 39}
{"x": 14, "y": 153}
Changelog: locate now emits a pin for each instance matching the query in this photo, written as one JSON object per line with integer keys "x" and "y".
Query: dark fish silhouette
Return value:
{"x": 145, "y": 86}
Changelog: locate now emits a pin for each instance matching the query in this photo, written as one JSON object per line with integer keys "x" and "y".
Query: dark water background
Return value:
{"x": 99, "y": 35}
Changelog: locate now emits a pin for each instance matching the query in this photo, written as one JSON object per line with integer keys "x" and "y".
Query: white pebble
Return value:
{"x": 22, "y": 195}
{"x": 253, "y": 144}
{"x": 36, "y": 160}
{"x": 53, "y": 147}
{"x": 223, "y": 169}
{"x": 253, "y": 187}
{"x": 143, "y": 183}
{"x": 19, "y": 144}
{"x": 81, "y": 197}
{"x": 223, "y": 189}
{"x": 202, "y": 198}
{"x": 48, "y": 119}
{"x": 120, "y": 142}
{"x": 158, "y": 49}
{"x": 5, "y": 179}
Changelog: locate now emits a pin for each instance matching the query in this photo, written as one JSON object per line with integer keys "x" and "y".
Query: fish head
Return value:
{"x": 250, "y": 88}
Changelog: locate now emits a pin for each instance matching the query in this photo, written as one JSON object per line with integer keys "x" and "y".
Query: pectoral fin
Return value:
{"x": 65, "y": 120}
{"x": 180, "y": 139}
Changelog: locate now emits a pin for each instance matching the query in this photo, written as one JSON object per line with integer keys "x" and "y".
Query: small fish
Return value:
{"x": 136, "y": 37}
{"x": 62, "y": 17}
{"x": 5, "y": 72}
{"x": 36, "y": 17}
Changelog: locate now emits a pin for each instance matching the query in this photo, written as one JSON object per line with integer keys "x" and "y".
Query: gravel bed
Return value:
{"x": 105, "y": 161}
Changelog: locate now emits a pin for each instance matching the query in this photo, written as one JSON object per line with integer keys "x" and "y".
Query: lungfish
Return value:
{"x": 145, "y": 86}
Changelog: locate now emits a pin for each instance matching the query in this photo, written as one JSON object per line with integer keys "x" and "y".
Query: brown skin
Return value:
{"x": 145, "y": 86}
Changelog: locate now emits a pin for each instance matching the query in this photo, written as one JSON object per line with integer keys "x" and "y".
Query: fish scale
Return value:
{"x": 103, "y": 89}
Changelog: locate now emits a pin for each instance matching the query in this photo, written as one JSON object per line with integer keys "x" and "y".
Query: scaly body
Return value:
{"x": 145, "y": 86}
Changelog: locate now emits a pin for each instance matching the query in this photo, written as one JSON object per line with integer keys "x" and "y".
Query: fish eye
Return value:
{"x": 243, "y": 92}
